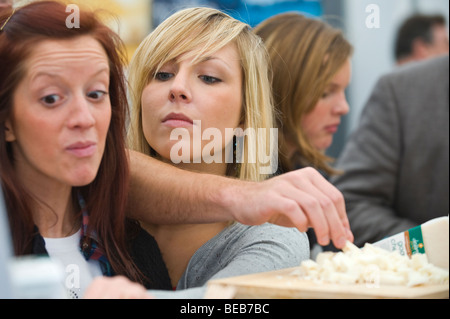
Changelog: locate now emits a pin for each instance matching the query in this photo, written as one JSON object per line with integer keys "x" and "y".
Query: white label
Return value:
{"x": 394, "y": 243}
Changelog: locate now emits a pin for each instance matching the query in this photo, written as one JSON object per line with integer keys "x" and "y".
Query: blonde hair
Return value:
{"x": 305, "y": 54}
{"x": 195, "y": 33}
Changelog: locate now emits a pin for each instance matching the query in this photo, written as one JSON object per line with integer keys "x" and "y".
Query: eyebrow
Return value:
{"x": 333, "y": 85}
{"x": 55, "y": 75}
{"x": 210, "y": 58}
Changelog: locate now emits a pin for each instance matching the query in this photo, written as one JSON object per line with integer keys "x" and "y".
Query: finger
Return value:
{"x": 297, "y": 187}
{"x": 278, "y": 206}
{"x": 316, "y": 214}
{"x": 334, "y": 194}
{"x": 332, "y": 203}
{"x": 117, "y": 287}
{"x": 96, "y": 289}
{"x": 134, "y": 293}
{"x": 339, "y": 204}
{"x": 323, "y": 216}
{"x": 123, "y": 288}
{"x": 336, "y": 230}
{"x": 289, "y": 214}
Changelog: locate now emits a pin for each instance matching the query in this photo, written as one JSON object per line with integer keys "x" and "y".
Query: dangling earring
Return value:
{"x": 237, "y": 166}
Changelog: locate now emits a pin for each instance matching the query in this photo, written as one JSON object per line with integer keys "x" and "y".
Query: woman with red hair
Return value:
{"x": 63, "y": 165}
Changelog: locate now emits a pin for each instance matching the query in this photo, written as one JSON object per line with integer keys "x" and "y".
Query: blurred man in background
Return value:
{"x": 421, "y": 37}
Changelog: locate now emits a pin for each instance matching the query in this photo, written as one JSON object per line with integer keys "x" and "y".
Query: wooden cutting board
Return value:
{"x": 282, "y": 285}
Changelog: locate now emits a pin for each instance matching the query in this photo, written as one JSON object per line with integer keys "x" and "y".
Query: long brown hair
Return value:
{"x": 305, "y": 54}
{"x": 106, "y": 196}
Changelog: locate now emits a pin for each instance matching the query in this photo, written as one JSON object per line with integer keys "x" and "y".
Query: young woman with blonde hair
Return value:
{"x": 201, "y": 66}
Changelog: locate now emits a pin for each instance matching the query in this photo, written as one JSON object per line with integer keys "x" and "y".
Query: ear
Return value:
{"x": 419, "y": 49}
{"x": 9, "y": 132}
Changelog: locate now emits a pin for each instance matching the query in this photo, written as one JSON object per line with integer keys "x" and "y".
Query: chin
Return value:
{"x": 83, "y": 178}
{"x": 324, "y": 145}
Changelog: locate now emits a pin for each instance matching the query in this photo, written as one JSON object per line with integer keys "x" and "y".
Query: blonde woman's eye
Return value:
{"x": 210, "y": 79}
{"x": 163, "y": 76}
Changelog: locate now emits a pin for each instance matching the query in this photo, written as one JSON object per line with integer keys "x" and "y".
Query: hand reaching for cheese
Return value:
{"x": 372, "y": 266}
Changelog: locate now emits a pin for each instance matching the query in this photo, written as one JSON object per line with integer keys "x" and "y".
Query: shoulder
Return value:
{"x": 438, "y": 65}
{"x": 270, "y": 236}
{"x": 241, "y": 249}
{"x": 430, "y": 72}
{"x": 269, "y": 231}
{"x": 412, "y": 86}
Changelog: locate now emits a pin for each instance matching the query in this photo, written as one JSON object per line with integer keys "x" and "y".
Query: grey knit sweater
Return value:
{"x": 240, "y": 250}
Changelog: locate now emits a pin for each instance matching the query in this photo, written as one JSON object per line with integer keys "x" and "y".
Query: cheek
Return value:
{"x": 33, "y": 131}
{"x": 226, "y": 109}
{"x": 151, "y": 99}
{"x": 103, "y": 120}
{"x": 104, "y": 116}
{"x": 225, "y": 115}
{"x": 36, "y": 144}
{"x": 307, "y": 125}
{"x": 314, "y": 120}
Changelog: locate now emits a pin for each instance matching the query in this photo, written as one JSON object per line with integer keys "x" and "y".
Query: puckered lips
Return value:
{"x": 82, "y": 149}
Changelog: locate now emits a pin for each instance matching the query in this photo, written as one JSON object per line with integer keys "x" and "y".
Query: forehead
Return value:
{"x": 66, "y": 54}
{"x": 229, "y": 53}
{"x": 343, "y": 75}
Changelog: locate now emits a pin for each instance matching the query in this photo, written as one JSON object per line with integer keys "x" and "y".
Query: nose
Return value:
{"x": 341, "y": 106}
{"x": 80, "y": 116}
{"x": 180, "y": 89}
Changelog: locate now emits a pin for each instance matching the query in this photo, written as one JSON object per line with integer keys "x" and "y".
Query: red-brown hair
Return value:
{"x": 106, "y": 195}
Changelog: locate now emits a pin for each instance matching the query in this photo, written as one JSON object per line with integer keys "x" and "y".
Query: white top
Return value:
{"x": 79, "y": 272}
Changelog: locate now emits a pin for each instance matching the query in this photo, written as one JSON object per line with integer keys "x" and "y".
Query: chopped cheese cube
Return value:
{"x": 372, "y": 265}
